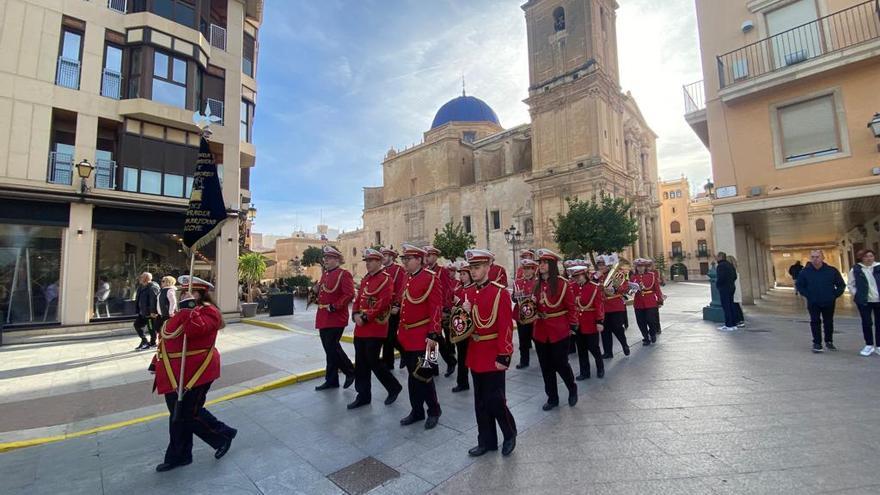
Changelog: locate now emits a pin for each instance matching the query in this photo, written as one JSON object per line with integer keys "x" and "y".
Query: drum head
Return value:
{"x": 460, "y": 325}
{"x": 528, "y": 311}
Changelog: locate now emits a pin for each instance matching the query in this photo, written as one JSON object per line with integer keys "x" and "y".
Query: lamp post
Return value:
{"x": 874, "y": 125}
{"x": 84, "y": 170}
{"x": 514, "y": 238}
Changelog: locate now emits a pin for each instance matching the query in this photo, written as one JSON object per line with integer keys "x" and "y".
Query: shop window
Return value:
{"x": 30, "y": 268}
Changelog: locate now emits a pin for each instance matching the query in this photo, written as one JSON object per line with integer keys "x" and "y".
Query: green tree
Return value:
{"x": 603, "y": 226}
{"x": 312, "y": 256}
{"x": 251, "y": 267}
{"x": 660, "y": 263}
{"x": 452, "y": 241}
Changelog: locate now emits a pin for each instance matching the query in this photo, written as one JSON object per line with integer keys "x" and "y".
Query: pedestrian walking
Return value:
{"x": 738, "y": 316}
{"x": 725, "y": 281}
{"x": 167, "y": 303}
{"x": 821, "y": 285}
{"x": 189, "y": 340}
{"x": 864, "y": 280}
{"x": 793, "y": 272}
{"x": 335, "y": 292}
{"x": 146, "y": 302}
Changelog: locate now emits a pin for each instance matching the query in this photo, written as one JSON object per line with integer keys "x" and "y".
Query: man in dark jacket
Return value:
{"x": 725, "y": 281}
{"x": 795, "y": 270}
{"x": 147, "y": 313}
{"x": 821, "y": 284}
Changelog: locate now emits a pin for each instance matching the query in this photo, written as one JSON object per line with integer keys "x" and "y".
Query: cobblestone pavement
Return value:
{"x": 703, "y": 412}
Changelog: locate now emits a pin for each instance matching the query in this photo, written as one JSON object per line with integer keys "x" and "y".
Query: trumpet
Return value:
{"x": 427, "y": 367}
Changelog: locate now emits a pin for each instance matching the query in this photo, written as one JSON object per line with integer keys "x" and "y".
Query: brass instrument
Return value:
{"x": 312, "y": 297}
{"x": 427, "y": 367}
{"x": 617, "y": 276}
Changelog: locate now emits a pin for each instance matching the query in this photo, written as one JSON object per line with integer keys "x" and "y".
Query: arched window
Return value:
{"x": 701, "y": 225}
{"x": 559, "y": 19}
{"x": 529, "y": 226}
{"x": 675, "y": 227}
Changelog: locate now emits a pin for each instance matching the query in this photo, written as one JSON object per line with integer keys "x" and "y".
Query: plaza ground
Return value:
{"x": 751, "y": 411}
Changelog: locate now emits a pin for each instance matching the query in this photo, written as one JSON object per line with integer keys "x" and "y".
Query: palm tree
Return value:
{"x": 251, "y": 267}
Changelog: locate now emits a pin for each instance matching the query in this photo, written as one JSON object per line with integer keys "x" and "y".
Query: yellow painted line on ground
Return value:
{"x": 278, "y": 326}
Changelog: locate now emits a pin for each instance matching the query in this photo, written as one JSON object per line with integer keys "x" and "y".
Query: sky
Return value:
{"x": 342, "y": 81}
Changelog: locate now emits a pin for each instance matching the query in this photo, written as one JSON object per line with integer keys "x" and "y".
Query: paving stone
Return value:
{"x": 363, "y": 476}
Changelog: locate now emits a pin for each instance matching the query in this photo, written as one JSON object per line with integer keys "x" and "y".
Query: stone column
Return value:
{"x": 77, "y": 267}
{"x": 741, "y": 251}
{"x": 643, "y": 234}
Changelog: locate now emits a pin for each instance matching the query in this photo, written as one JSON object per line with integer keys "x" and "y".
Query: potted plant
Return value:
{"x": 251, "y": 267}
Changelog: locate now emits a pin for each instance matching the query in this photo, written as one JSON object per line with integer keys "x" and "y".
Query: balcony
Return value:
{"x": 702, "y": 253}
{"x": 60, "y": 168}
{"x": 111, "y": 84}
{"x": 67, "y": 73}
{"x": 217, "y": 36}
{"x": 839, "y": 38}
{"x": 695, "y": 110}
{"x": 216, "y": 108}
{"x": 105, "y": 174}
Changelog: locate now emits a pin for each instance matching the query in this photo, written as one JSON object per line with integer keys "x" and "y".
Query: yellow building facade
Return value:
{"x": 114, "y": 84}
{"x": 686, "y": 220}
{"x": 788, "y": 89}
{"x": 586, "y": 139}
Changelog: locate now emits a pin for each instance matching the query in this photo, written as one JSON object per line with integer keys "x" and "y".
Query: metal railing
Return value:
{"x": 216, "y": 107}
{"x": 60, "y": 168}
{"x": 117, "y": 5}
{"x": 702, "y": 253}
{"x": 218, "y": 37}
{"x": 834, "y": 32}
{"x": 694, "y": 97}
{"x": 105, "y": 174}
{"x": 67, "y": 74}
{"x": 111, "y": 84}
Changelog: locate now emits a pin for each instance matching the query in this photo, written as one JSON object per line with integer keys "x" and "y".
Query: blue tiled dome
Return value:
{"x": 464, "y": 109}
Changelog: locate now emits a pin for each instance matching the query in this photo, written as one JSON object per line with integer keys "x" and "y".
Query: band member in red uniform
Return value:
{"x": 197, "y": 322}
{"x": 523, "y": 290}
{"x": 615, "y": 316}
{"x": 489, "y": 356}
{"x": 420, "y": 332}
{"x": 590, "y": 306}
{"x": 398, "y": 276}
{"x": 447, "y": 284}
{"x": 497, "y": 273}
{"x": 370, "y": 313}
{"x": 335, "y": 292}
{"x": 652, "y": 267}
{"x": 527, "y": 254}
{"x": 463, "y": 292}
{"x": 647, "y": 301}
{"x": 556, "y": 321}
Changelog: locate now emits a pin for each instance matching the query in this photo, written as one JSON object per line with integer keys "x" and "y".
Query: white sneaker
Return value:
{"x": 726, "y": 329}
{"x": 722, "y": 328}
{"x": 867, "y": 351}
{"x": 740, "y": 325}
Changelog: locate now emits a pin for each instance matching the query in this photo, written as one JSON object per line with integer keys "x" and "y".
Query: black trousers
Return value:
{"x": 490, "y": 406}
{"x": 391, "y": 342}
{"x": 447, "y": 348}
{"x": 421, "y": 394}
{"x": 337, "y": 360}
{"x": 151, "y": 324}
{"x": 821, "y": 315}
{"x": 648, "y": 320}
{"x": 870, "y": 311}
{"x": 525, "y": 341}
{"x": 193, "y": 419}
{"x": 366, "y": 360}
{"x": 738, "y": 315}
{"x": 588, "y": 343}
{"x": 461, "y": 378}
{"x": 615, "y": 326}
{"x": 727, "y": 307}
{"x": 553, "y": 358}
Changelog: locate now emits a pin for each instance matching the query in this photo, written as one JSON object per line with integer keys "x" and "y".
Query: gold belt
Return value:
{"x": 647, "y": 292}
{"x": 166, "y": 362}
{"x": 489, "y": 336}
{"x": 588, "y": 310}
{"x": 408, "y": 326}
{"x": 547, "y": 316}
{"x": 323, "y": 306}
{"x": 177, "y": 355}
{"x": 614, "y": 296}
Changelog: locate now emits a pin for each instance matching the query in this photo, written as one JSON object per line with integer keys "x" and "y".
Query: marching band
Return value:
{"x": 465, "y": 313}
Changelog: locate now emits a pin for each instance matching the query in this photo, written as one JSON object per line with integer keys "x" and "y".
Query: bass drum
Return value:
{"x": 461, "y": 326}
{"x": 528, "y": 312}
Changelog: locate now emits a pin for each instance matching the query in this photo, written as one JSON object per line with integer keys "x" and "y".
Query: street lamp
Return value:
{"x": 710, "y": 188}
{"x": 874, "y": 125}
{"x": 84, "y": 170}
{"x": 513, "y": 237}
{"x": 252, "y": 213}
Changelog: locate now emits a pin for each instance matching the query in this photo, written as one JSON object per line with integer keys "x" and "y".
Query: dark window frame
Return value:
{"x": 675, "y": 227}
{"x": 496, "y": 219}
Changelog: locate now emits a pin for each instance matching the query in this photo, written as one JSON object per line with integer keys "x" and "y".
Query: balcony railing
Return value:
{"x": 832, "y": 33}
{"x": 702, "y": 253}
{"x": 60, "y": 168}
{"x": 216, "y": 107}
{"x": 105, "y": 174}
{"x": 111, "y": 84}
{"x": 694, "y": 97}
{"x": 117, "y": 5}
{"x": 218, "y": 37}
{"x": 67, "y": 74}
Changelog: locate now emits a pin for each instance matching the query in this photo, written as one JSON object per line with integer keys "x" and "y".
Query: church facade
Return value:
{"x": 586, "y": 139}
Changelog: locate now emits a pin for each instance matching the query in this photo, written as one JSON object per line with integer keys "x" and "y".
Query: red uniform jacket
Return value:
{"x": 614, "y": 303}
{"x": 200, "y": 325}
{"x": 519, "y": 273}
{"x": 336, "y": 289}
{"x": 373, "y": 302}
{"x": 493, "y": 325}
{"x": 650, "y": 295}
{"x": 398, "y": 277}
{"x": 557, "y": 312}
{"x": 447, "y": 283}
{"x": 421, "y": 305}
{"x": 523, "y": 287}
{"x": 463, "y": 292}
{"x": 497, "y": 274}
{"x": 590, "y": 306}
